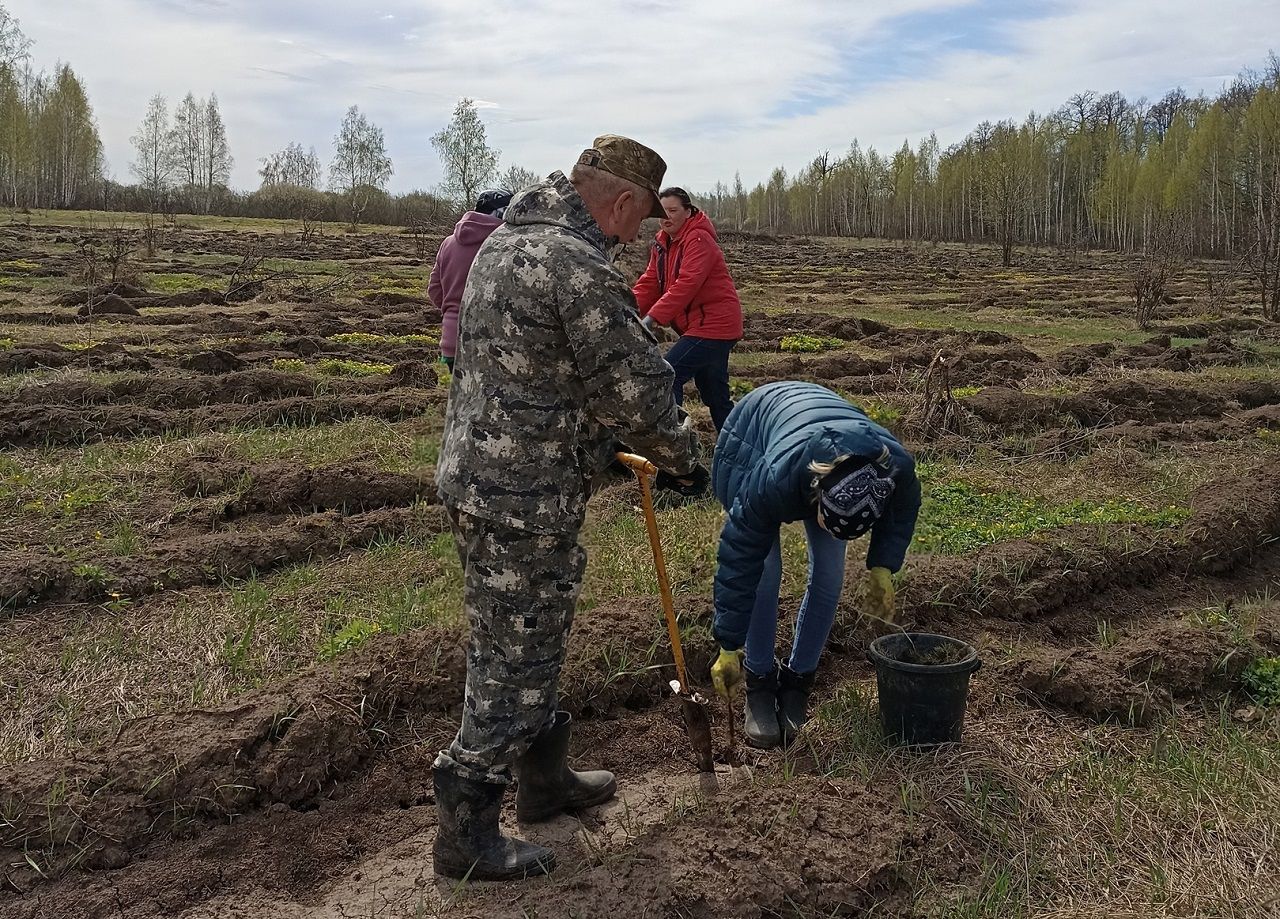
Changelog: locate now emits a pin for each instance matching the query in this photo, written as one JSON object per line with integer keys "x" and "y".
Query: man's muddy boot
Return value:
{"x": 760, "y": 725}
{"x": 547, "y": 786}
{"x": 468, "y": 842}
{"x": 793, "y": 701}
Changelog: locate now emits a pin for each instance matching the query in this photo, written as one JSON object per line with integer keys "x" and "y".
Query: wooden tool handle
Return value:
{"x": 637, "y": 464}
{"x": 643, "y": 469}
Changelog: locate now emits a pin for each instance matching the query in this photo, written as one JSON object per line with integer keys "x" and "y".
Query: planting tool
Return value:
{"x": 693, "y": 706}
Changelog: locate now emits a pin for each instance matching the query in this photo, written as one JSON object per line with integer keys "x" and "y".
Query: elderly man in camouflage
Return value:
{"x": 552, "y": 366}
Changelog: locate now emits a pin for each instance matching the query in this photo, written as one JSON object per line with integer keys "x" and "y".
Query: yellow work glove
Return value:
{"x": 726, "y": 672}
{"x": 880, "y": 595}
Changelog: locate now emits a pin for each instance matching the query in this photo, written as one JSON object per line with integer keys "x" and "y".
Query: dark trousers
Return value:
{"x": 706, "y": 362}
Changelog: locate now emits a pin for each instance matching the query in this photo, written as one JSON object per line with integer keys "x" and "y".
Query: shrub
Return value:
{"x": 1262, "y": 680}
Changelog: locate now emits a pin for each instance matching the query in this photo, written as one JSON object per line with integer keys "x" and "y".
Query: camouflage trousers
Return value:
{"x": 519, "y": 593}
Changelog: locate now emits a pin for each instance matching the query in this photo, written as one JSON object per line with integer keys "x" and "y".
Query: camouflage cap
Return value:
{"x": 630, "y": 160}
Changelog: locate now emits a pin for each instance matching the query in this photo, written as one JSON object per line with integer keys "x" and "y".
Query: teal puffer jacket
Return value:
{"x": 761, "y": 475}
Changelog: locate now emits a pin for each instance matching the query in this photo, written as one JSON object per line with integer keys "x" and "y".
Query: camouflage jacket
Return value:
{"x": 552, "y": 366}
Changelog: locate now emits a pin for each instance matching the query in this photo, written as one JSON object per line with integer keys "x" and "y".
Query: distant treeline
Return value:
{"x": 1100, "y": 171}
{"x": 1197, "y": 175}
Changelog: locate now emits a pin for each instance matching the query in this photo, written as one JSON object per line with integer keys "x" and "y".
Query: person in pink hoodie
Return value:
{"x": 453, "y": 262}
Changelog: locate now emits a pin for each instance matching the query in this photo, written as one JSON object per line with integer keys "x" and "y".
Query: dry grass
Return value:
{"x": 73, "y": 675}
{"x": 1052, "y": 817}
{"x": 1060, "y": 818}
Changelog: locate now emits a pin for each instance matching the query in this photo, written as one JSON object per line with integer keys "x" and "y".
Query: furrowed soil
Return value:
{"x": 230, "y": 606}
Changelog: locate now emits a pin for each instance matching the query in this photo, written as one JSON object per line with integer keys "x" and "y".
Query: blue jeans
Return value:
{"x": 817, "y": 610}
{"x": 706, "y": 362}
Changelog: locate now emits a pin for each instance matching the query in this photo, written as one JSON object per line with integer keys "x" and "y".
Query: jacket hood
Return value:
{"x": 556, "y": 202}
{"x": 474, "y": 228}
{"x": 698, "y": 223}
{"x": 851, "y": 437}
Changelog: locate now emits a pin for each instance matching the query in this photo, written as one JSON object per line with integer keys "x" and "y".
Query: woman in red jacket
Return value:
{"x": 687, "y": 287}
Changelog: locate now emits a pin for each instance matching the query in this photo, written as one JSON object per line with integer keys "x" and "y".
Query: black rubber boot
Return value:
{"x": 547, "y": 786}
{"x": 760, "y": 725}
{"x": 793, "y": 701}
{"x": 468, "y": 842}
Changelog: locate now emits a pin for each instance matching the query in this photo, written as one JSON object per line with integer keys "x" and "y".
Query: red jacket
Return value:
{"x": 687, "y": 284}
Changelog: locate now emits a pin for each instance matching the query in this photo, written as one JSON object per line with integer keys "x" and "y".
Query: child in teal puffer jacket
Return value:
{"x": 789, "y": 452}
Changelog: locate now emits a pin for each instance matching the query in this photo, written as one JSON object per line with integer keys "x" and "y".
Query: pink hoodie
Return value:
{"x": 449, "y": 276}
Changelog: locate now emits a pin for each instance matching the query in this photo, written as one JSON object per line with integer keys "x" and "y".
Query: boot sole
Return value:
{"x": 527, "y": 815}
{"x": 762, "y": 743}
{"x": 478, "y": 872}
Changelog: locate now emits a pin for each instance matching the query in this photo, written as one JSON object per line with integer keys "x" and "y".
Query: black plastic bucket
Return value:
{"x": 923, "y": 682}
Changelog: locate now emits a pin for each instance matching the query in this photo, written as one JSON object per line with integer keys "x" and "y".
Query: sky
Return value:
{"x": 715, "y": 86}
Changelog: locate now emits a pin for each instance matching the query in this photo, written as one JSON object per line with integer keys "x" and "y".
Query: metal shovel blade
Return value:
{"x": 697, "y": 724}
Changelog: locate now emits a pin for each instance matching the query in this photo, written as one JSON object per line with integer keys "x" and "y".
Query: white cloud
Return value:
{"x": 717, "y": 86}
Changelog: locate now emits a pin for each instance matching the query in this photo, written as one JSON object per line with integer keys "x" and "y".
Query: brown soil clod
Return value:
{"x": 1139, "y": 678}
{"x": 109, "y": 305}
{"x": 215, "y": 361}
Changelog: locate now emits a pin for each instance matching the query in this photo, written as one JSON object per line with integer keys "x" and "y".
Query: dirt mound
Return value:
{"x": 109, "y": 305}
{"x": 69, "y": 424}
{"x": 252, "y": 385}
{"x": 415, "y": 373}
{"x": 1026, "y": 581}
{"x": 124, "y": 289}
{"x": 306, "y": 345}
{"x": 1155, "y": 354}
{"x": 1224, "y": 326}
{"x": 984, "y": 364}
{"x": 1136, "y": 400}
{"x": 849, "y": 328}
{"x": 289, "y": 744}
{"x": 286, "y": 487}
{"x": 839, "y": 854}
{"x": 1236, "y": 424}
{"x": 844, "y": 364}
{"x": 187, "y": 558}
{"x": 103, "y": 356}
{"x": 277, "y": 745}
{"x": 1012, "y": 408}
{"x": 759, "y": 325}
{"x": 1141, "y": 676}
{"x": 395, "y": 298}
{"x": 215, "y": 361}
{"x": 1113, "y": 403}
{"x": 187, "y": 298}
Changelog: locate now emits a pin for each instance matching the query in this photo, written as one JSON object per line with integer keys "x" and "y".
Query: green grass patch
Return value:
{"x": 175, "y": 282}
{"x": 1262, "y": 680}
{"x": 958, "y": 516}
{"x": 350, "y": 636}
{"x": 882, "y": 413}
{"x": 332, "y": 367}
{"x": 336, "y": 367}
{"x": 368, "y": 338}
{"x": 19, "y": 265}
